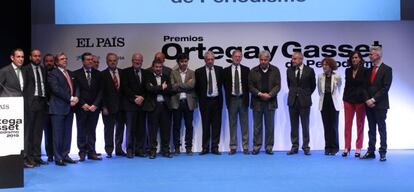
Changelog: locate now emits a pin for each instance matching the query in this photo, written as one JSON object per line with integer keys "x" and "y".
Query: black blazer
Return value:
{"x": 30, "y": 86}
{"x": 9, "y": 84}
{"x": 228, "y": 80}
{"x": 131, "y": 87}
{"x": 91, "y": 95}
{"x": 153, "y": 89}
{"x": 355, "y": 90}
{"x": 59, "y": 99}
{"x": 201, "y": 85}
{"x": 379, "y": 89}
{"x": 304, "y": 89}
{"x": 112, "y": 97}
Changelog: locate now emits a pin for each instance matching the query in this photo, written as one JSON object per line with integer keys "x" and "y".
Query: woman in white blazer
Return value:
{"x": 329, "y": 86}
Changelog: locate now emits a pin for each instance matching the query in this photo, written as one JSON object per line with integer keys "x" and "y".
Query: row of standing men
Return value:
{"x": 157, "y": 96}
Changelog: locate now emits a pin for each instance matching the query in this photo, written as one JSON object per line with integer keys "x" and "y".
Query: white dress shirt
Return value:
{"x": 19, "y": 75}
{"x": 36, "y": 93}
{"x": 160, "y": 97}
{"x": 183, "y": 95}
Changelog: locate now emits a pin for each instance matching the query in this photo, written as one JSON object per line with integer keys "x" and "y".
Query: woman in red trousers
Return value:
{"x": 354, "y": 101}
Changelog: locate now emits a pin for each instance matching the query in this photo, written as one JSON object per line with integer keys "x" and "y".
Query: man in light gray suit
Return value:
{"x": 183, "y": 103}
{"x": 264, "y": 84}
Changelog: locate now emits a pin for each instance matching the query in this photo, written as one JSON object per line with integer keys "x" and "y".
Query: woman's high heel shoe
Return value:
{"x": 358, "y": 153}
{"x": 345, "y": 153}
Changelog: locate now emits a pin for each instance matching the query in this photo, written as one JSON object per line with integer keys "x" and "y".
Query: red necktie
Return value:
{"x": 373, "y": 74}
{"x": 115, "y": 80}
{"x": 69, "y": 81}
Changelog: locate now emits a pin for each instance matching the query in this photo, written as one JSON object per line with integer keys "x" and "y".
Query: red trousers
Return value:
{"x": 350, "y": 110}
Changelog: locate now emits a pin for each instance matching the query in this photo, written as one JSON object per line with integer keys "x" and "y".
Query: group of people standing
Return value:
{"x": 154, "y": 101}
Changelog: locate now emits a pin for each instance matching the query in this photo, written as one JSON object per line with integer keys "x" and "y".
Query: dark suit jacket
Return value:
{"x": 304, "y": 89}
{"x": 201, "y": 85}
{"x": 228, "y": 80}
{"x": 9, "y": 84}
{"x": 130, "y": 88}
{"x": 153, "y": 89}
{"x": 59, "y": 97}
{"x": 111, "y": 98}
{"x": 379, "y": 89}
{"x": 91, "y": 95}
{"x": 30, "y": 86}
{"x": 356, "y": 88}
{"x": 255, "y": 85}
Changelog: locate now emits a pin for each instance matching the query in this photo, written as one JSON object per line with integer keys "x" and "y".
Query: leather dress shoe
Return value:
{"x": 204, "y": 151}
{"x": 94, "y": 157}
{"x": 292, "y": 152}
{"x": 152, "y": 155}
{"x": 120, "y": 153}
{"x": 141, "y": 154}
{"x": 369, "y": 155}
{"x": 177, "y": 151}
{"x": 215, "y": 152}
{"x": 188, "y": 151}
{"x": 246, "y": 152}
{"x": 255, "y": 152}
{"x": 232, "y": 151}
{"x": 129, "y": 155}
{"x": 167, "y": 154}
{"x": 28, "y": 164}
{"x": 50, "y": 159}
{"x": 82, "y": 157}
{"x": 60, "y": 163}
{"x": 307, "y": 152}
{"x": 383, "y": 157}
{"x": 269, "y": 152}
{"x": 70, "y": 161}
{"x": 40, "y": 162}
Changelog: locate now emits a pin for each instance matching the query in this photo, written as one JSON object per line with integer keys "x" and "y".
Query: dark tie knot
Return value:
{"x": 88, "y": 71}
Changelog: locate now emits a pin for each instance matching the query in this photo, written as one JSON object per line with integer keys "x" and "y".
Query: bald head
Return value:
{"x": 159, "y": 56}
{"x": 137, "y": 60}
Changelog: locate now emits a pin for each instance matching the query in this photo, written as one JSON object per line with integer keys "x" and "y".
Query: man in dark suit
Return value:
{"x": 183, "y": 103}
{"x": 209, "y": 90}
{"x": 380, "y": 79}
{"x": 133, "y": 89}
{"x": 35, "y": 106}
{"x": 235, "y": 81}
{"x": 49, "y": 65}
{"x": 12, "y": 79}
{"x": 159, "y": 56}
{"x": 264, "y": 84}
{"x": 12, "y": 76}
{"x": 62, "y": 100}
{"x": 158, "y": 105}
{"x": 302, "y": 83}
{"x": 112, "y": 112}
{"x": 89, "y": 83}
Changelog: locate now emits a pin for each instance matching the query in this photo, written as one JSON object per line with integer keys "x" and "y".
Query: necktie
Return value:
{"x": 297, "y": 75}
{"x": 236, "y": 81}
{"x": 88, "y": 76}
{"x": 115, "y": 80}
{"x": 18, "y": 72}
{"x": 38, "y": 82}
{"x": 210, "y": 82}
{"x": 69, "y": 81}
{"x": 138, "y": 76}
{"x": 373, "y": 74}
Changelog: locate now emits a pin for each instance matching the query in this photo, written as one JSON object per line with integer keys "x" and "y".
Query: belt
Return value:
{"x": 237, "y": 96}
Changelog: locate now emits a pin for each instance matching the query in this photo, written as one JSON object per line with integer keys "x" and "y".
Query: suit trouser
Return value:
{"x": 350, "y": 110}
{"x": 48, "y": 131}
{"x": 377, "y": 117}
{"x": 110, "y": 121}
{"x": 296, "y": 112}
{"x": 135, "y": 131}
{"x": 33, "y": 132}
{"x": 237, "y": 109}
{"x": 86, "y": 122}
{"x": 160, "y": 119}
{"x": 211, "y": 123}
{"x": 330, "y": 124}
{"x": 62, "y": 135}
{"x": 269, "y": 119}
{"x": 183, "y": 112}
